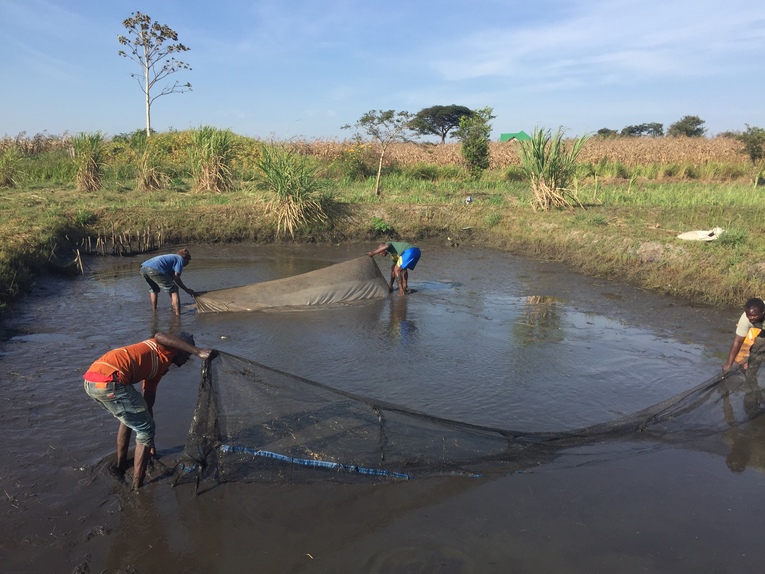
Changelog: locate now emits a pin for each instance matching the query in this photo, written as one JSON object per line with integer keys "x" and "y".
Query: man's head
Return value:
{"x": 181, "y": 357}
{"x": 755, "y": 309}
{"x": 185, "y": 254}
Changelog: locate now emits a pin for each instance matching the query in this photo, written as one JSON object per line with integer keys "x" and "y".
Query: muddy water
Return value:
{"x": 486, "y": 338}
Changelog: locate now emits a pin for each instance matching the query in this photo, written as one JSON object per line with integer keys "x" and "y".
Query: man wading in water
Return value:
{"x": 749, "y": 331}
{"x": 110, "y": 380}
{"x": 164, "y": 272}
{"x": 404, "y": 257}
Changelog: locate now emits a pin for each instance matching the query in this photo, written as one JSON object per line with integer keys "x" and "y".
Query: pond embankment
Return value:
{"x": 633, "y": 246}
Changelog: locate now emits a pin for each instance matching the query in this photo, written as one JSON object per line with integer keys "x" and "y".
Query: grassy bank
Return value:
{"x": 626, "y": 229}
{"x": 633, "y": 196}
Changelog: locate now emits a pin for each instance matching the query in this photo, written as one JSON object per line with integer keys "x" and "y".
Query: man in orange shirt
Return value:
{"x": 110, "y": 380}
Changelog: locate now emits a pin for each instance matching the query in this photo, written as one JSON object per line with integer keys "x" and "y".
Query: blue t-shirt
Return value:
{"x": 166, "y": 264}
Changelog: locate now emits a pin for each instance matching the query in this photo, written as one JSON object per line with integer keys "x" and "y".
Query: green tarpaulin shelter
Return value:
{"x": 520, "y": 136}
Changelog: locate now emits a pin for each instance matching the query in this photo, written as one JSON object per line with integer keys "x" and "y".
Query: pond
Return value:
{"x": 486, "y": 338}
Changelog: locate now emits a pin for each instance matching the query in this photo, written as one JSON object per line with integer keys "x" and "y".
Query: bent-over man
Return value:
{"x": 749, "y": 336}
{"x": 163, "y": 272}
{"x": 110, "y": 380}
{"x": 404, "y": 257}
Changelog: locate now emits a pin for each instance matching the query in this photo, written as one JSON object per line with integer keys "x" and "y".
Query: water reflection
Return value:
{"x": 400, "y": 328}
{"x": 541, "y": 321}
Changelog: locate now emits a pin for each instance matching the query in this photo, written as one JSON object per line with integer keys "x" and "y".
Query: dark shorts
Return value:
{"x": 157, "y": 280}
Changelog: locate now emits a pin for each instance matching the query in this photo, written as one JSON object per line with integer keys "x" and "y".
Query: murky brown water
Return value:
{"x": 486, "y": 338}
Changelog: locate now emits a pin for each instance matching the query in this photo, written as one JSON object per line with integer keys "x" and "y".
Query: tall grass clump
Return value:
{"x": 549, "y": 166}
{"x": 89, "y": 157}
{"x": 10, "y": 166}
{"x": 297, "y": 191}
{"x": 148, "y": 163}
{"x": 212, "y": 154}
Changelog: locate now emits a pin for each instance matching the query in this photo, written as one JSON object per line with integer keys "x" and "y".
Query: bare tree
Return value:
{"x": 148, "y": 46}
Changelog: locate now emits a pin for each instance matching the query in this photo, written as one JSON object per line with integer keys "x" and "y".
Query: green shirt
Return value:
{"x": 396, "y": 248}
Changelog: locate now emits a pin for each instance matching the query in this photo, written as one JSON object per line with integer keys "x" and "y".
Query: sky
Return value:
{"x": 301, "y": 69}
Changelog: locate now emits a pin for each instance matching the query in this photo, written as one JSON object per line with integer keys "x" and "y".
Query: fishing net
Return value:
{"x": 256, "y": 423}
{"x": 349, "y": 281}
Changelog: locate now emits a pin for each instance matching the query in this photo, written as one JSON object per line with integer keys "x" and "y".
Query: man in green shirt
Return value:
{"x": 404, "y": 257}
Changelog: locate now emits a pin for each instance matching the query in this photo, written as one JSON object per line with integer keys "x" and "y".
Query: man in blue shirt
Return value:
{"x": 164, "y": 272}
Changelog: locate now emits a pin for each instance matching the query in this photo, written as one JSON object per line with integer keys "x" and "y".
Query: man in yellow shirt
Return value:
{"x": 749, "y": 335}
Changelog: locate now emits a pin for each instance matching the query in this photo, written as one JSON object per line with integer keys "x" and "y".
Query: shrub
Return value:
{"x": 355, "y": 163}
{"x": 10, "y": 166}
{"x": 380, "y": 227}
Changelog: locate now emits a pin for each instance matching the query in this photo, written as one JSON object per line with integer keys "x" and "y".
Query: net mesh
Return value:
{"x": 344, "y": 282}
{"x": 255, "y": 423}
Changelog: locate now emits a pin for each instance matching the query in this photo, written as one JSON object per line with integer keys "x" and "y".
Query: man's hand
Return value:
{"x": 205, "y": 354}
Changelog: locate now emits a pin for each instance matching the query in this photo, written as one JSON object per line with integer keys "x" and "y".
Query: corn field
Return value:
{"x": 714, "y": 158}
{"x": 628, "y": 151}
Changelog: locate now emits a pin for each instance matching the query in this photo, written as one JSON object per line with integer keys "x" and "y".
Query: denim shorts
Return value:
{"x": 157, "y": 280}
{"x": 127, "y": 405}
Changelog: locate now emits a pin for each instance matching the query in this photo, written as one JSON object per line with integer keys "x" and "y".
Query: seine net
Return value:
{"x": 353, "y": 280}
{"x": 255, "y": 423}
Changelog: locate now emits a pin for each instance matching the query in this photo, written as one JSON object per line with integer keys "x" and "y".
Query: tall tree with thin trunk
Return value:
{"x": 384, "y": 127}
{"x": 152, "y": 45}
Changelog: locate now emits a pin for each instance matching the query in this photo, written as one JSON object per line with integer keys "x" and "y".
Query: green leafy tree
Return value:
{"x": 653, "y": 129}
{"x": 439, "y": 120}
{"x": 384, "y": 128}
{"x": 474, "y": 132}
{"x": 753, "y": 140}
{"x": 689, "y": 126}
{"x": 607, "y": 133}
{"x": 152, "y": 46}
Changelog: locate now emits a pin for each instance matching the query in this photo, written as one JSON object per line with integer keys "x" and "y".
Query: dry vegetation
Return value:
{"x": 628, "y": 151}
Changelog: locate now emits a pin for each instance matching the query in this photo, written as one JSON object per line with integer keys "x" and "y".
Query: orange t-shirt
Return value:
{"x": 147, "y": 361}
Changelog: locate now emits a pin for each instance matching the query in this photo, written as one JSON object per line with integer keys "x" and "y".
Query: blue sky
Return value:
{"x": 300, "y": 69}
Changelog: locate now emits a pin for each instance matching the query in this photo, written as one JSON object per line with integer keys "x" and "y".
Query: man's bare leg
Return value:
{"x": 175, "y": 301}
{"x": 400, "y": 280}
{"x": 140, "y": 461}
{"x": 405, "y": 280}
{"x": 153, "y": 297}
{"x": 123, "y": 443}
